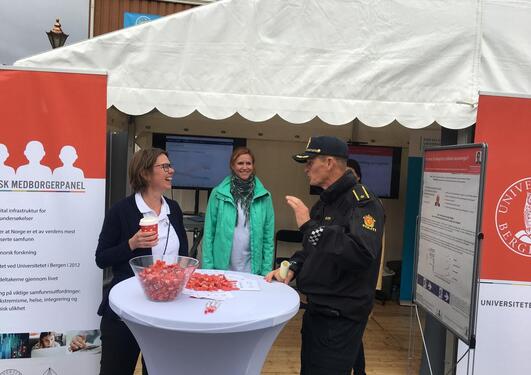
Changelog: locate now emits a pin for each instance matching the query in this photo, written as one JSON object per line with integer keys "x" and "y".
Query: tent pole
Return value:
{"x": 131, "y": 144}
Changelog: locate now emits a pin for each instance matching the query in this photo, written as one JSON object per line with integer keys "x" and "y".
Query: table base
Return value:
{"x": 169, "y": 352}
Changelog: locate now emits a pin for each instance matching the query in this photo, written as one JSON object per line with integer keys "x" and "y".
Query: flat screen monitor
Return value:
{"x": 380, "y": 168}
{"x": 199, "y": 162}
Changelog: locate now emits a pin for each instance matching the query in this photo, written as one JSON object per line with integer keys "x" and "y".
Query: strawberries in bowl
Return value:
{"x": 163, "y": 278}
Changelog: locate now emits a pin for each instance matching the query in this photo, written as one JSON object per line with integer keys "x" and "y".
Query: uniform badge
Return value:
{"x": 368, "y": 223}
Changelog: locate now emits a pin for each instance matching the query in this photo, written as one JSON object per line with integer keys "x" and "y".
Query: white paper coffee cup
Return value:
{"x": 149, "y": 224}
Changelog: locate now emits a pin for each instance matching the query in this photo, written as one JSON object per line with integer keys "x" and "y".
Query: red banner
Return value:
{"x": 503, "y": 123}
{"x": 46, "y": 115}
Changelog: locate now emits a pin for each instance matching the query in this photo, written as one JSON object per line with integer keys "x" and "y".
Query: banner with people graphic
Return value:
{"x": 52, "y": 201}
{"x": 504, "y": 303}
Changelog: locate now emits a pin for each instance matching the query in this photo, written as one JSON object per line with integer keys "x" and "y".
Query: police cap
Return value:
{"x": 324, "y": 145}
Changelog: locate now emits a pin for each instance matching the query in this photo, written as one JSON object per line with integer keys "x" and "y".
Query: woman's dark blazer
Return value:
{"x": 120, "y": 224}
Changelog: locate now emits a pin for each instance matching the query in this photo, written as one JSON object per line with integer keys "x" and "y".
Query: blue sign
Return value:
{"x": 132, "y": 19}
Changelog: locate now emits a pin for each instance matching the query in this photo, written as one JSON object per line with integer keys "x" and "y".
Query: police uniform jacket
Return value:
{"x": 342, "y": 242}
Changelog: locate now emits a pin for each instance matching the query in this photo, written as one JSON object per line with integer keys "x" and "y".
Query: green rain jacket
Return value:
{"x": 220, "y": 221}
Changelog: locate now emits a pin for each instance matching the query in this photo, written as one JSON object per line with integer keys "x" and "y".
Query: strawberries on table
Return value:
{"x": 210, "y": 282}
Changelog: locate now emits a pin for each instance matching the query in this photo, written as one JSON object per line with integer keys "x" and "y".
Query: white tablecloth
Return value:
{"x": 177, "y": 337}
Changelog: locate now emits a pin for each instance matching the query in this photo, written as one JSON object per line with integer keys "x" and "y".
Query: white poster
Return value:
{"x": 447, "y": 236}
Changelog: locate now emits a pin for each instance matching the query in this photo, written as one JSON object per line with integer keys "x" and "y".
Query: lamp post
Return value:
{"x": 56, "y": 35}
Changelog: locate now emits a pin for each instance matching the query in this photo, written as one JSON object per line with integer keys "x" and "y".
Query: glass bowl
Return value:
{"x": 163, "y": 277}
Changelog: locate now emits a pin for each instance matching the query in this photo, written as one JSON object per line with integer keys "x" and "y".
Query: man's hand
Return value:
{"x": 78, "y": 342}
{"x": 276, "y": 275}
{"x": 302, "y": 214}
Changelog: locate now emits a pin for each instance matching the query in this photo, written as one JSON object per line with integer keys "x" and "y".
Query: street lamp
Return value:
{"x": 56, "y": 35}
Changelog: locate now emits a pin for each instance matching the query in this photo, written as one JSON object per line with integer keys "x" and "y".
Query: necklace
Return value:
{"x": 167, "y": 236}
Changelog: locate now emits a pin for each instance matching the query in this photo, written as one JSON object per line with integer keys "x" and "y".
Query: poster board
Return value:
{"x": 52, "y": 203}
{"x": 448, "y": 235}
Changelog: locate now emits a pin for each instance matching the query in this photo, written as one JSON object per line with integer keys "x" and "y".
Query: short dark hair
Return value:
{"x": 355, "y": 166}
{"x": 45, "y": 334}
{"x": 140, "y": 167}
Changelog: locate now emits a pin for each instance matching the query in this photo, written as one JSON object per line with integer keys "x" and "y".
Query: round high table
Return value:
{"x": 177, "y": 337}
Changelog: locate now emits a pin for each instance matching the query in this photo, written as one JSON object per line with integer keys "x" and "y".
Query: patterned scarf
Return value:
{"x": 242, "y": 192}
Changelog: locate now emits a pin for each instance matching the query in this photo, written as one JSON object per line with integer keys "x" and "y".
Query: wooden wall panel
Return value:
{"x": 109, "y": 14}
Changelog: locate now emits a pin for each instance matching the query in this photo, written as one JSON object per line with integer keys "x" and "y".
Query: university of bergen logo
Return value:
{"x": 513, "y": 217}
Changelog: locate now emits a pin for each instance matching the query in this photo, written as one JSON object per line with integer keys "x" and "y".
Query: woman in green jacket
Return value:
{"x": 240, "y": 221}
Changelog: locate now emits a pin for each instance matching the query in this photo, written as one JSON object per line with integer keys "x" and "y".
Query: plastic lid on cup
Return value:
{"x": 149, "y": 220}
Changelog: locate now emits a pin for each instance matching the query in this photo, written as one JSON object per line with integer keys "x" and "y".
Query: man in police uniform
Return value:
{"x": 338, "y": 267}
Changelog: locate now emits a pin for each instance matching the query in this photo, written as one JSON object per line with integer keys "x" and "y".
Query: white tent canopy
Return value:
{"x": 414, "y": 61}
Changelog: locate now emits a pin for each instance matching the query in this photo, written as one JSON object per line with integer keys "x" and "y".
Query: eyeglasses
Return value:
{"x": 165, "y": 166}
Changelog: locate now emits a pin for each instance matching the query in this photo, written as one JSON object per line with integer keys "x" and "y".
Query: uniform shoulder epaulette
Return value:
{"x": 361, "y": 193}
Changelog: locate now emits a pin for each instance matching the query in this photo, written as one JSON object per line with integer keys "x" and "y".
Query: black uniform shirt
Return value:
{"x": 338, "y": 266}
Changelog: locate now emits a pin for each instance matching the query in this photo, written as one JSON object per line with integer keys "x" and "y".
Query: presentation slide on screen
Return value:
{"x": 376, "y": 165}
{"x": 199, "y": 162}
{"x": 447, "y": 235}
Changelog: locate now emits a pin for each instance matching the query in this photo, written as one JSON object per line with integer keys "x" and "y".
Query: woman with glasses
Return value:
{"x": 150, "y": 174}
{"x": 240, "y": 221}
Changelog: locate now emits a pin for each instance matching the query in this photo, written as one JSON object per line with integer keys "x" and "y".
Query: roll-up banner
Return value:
{"x": 504, "y": 303}
{"x": 52, "y": 194}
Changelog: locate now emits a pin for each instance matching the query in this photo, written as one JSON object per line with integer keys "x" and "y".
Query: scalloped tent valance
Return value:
{"x": 415, "y": 61}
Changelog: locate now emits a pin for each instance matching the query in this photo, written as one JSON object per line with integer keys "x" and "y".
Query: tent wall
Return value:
{"x": 506, "y": 47}
{"x": 274, "y": 141}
